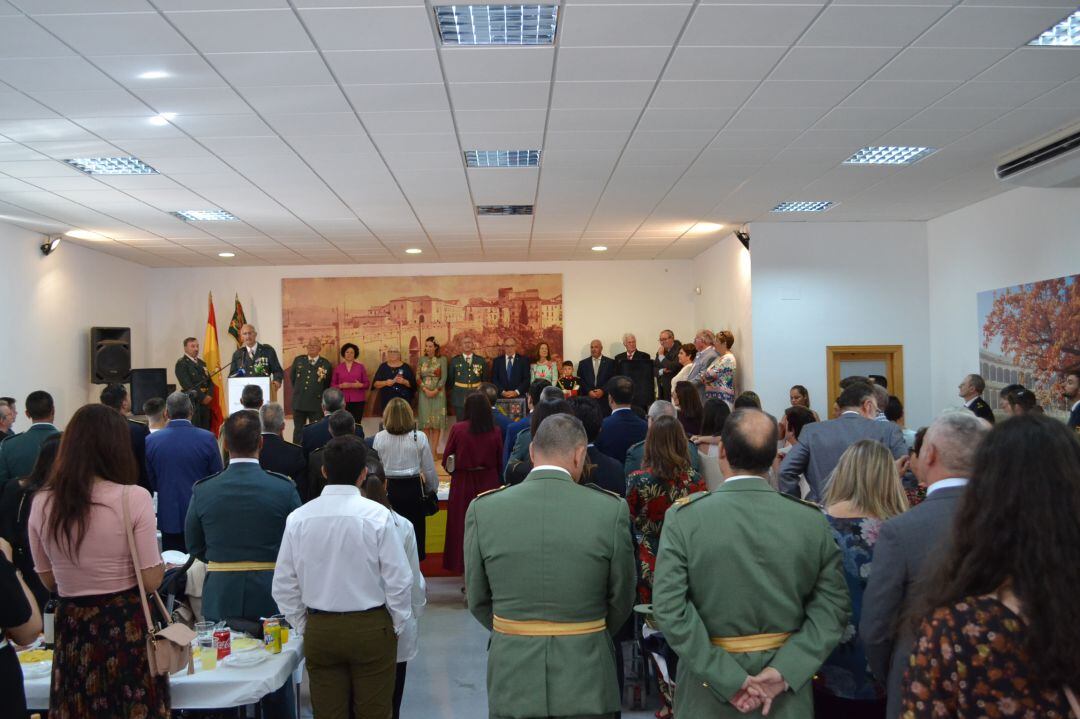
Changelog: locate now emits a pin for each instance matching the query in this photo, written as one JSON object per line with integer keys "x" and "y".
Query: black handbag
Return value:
{"x": 429, "y": 501}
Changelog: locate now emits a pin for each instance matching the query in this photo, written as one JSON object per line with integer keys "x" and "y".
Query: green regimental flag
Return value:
{"x": 238, "y": 320}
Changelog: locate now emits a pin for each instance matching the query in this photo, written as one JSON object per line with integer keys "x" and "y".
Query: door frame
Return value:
{"x": 892, "y": 355}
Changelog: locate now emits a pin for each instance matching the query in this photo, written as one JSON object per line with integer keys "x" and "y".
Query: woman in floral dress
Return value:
{"x": 431, "y": 409}
{"x": 719, "y": 377}
{"x": 864, "y": 491}
{"x": 544, "y": 367}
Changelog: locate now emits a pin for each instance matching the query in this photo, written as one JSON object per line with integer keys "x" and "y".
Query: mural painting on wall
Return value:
{"x": 382, "y": 313}
{"x": 1030, "y": 334}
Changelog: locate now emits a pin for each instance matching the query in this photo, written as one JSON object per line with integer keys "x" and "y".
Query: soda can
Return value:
{"x": 272, "y": 636}
{"x": 223, "y": 640}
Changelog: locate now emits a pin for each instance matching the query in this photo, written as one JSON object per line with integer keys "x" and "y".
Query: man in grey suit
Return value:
{"x": 905, "y": 543}
{"x": 821, "y": 443}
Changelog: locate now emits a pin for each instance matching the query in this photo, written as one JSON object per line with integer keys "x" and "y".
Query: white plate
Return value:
{"x": 36, "y": 670}
{"x": 240, "y": 650}
{"x": 248, "y": 659}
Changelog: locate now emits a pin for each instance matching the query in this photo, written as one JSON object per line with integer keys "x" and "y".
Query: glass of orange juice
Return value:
{"x": 208, "y": 653}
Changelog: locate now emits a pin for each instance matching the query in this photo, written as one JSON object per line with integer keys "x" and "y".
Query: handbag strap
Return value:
{"x": 419, "y": 464}
{"x": 135, "y": 560}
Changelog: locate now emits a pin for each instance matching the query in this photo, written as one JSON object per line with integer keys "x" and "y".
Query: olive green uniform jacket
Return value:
{"x": 464, "y": 373}
{"x": 238, "y": 515}
{"x": 192, "y": 376}
{"x": 553, "y": 550}
{"x": 309, "y": 379}
{"x": 739, "y": 561}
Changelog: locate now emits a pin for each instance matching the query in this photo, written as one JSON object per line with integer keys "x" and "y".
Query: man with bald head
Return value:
{"x": 594, "y": 372}
{"x": 551, "y": 650}
{"x": 253, "y": 359}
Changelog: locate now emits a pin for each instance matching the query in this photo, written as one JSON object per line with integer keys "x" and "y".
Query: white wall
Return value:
{"x": 600, "y": 299}
{"x": 1020, "y": 236}
{"x": 723, "y": 274}
{"x": 851, "y": 283}
{"x": 48, "y": 307}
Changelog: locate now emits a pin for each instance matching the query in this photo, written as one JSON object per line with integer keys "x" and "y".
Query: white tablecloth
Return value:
{"x": 219, "y": 688}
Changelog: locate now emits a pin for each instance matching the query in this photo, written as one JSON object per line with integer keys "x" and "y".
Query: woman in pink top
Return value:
{"x": 79, "y": 543}
{"x": 351, "y": 378}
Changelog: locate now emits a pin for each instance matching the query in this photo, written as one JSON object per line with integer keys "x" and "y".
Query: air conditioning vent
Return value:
{"x": 503, "y": 210}
{"x": 1053, "y": 162}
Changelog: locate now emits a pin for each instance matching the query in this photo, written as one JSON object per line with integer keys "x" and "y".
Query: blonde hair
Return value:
{"x": 866, "y": 476}
{"x": 398, "y": 418}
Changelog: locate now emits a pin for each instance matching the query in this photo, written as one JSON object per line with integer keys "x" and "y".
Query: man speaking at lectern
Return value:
{"x": 256, "y": 360}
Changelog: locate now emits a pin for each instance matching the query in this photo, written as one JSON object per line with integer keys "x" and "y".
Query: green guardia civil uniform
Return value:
{"x": 191, "y": 376}
{"x": 309, "y": 379}
{"x": 463, "y": 379}
{"x": 549, "y": 568}
{"x": 235, "y": 523}
{"x": 739, "y": 568}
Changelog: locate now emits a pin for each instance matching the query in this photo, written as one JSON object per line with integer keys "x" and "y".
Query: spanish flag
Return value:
{"x": 213, "y": 365}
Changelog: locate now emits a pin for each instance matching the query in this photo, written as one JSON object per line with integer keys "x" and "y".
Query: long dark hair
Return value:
{"x": 666, "y": 453}
{"x": 1016, "y": 527}
{"x": 43, "y": 465}
{"x": 96, "y": 444}
{"x": 374, "y": 488}
{"x": 478, "y": 413}
{"x": 713, "y": 417}
{"x": 690, "y": 408}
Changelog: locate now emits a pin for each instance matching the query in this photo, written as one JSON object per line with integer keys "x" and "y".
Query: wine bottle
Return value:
{"x": 48, "y": 621}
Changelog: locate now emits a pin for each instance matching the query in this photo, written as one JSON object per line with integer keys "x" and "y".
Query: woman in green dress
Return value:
{"x": 544, "y": 367}
{"x": 431, "y": 371}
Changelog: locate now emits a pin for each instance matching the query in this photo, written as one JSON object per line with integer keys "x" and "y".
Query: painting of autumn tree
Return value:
{"x": 1036, "y": 326}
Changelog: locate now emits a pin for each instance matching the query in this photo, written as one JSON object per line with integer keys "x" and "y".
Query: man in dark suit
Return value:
{"x": 193, "y": 378}
{"x": 971, "y": 390}
{"x": 1072, "y": 396}
{"x": 256, "y": 360}
{"x": 638, "y": 366}
{"x": 19, "y": 453}
{"x": 177, "y": 457}
{"x": 7, "y": 419}
{"x": 601, "y": 470}
{"x": 276, "y": 454}
{"x": 492, "y": 393}
{"x": 623, "y": 427}
{"x": 318, "y": 434}
{"x": 511, "y": 432}
{"x": 821, "y": 443}
{"x": 341, "y": 424}
{"x": 666, "y": 363}
{"x": 116, "y": 397}
{"x": 510, "y": 372}
{"x": 906, "y": 543}
{"x": 594, "y": 372}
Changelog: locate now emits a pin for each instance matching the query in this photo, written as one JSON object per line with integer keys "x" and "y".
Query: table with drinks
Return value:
{"x": 231, "y": 670}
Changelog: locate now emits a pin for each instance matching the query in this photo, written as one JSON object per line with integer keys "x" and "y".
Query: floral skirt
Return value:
{"x": 100, "y": 669}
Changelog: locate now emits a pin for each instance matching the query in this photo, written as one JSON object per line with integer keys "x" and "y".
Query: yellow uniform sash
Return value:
{"x": 751, "y": 642}
{"x": 539, "y": 628}
{"x": 240, "y": 566}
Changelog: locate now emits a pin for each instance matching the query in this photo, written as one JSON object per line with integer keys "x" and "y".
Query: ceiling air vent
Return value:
{"x": 488, "y": 210}
{"x": 1051, "y": 162}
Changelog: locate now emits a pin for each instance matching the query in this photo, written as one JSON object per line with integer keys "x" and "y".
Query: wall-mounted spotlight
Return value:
{"x": 743, "y": 237}
{"x": 49, "y": 246}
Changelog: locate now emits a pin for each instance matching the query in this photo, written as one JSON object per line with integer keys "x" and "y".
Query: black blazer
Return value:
{"x": 241, "y": 361}
{"x": 286, "y": 458}
{"x": 606, "y": 473}
{"x": 642, "y": 370}
{"x": 1074, "y": 419}
{"x": 317, "y": 434}
{"x": 667, "y": 366}
{"x": 139, "y": 433}
{"x": 983, "y": 410}
{"x": 618, "y": 432}
{"x": 519, "y": 374}
{"x": 585, "y": 374}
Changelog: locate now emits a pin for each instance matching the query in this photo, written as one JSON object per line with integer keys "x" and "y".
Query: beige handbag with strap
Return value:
{"x": 167, "y": 649}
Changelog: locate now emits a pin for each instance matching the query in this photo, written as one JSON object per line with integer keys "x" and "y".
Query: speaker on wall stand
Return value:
{"x": 110, "y": 354}
{"x": 147, "y": 384}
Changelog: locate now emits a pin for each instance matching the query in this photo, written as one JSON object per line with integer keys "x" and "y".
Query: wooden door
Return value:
{"x": 847, "y": 360}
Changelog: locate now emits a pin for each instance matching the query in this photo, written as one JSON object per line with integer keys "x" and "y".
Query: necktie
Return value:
{"x": 509, "y": 365}
{"x": 595, "y": 369}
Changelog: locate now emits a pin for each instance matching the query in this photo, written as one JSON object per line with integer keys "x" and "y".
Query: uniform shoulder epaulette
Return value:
{"x": 135, "y": 421}
{"x": 803, "y": 502}
{"x": 279, "y": 475}
{"x": 689, "y": 499}
{"x": 215, "y": 474}
{"x": 493, "y": 491}
{"x": 600, "y": 489}
{"x": 635, "y": 444}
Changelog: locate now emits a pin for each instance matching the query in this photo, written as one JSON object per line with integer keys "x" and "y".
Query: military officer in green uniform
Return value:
{"x": 310, "y": 376}
{"x": 193, "y": 378}
{"x": 235, "y": 522}
{"x": 549, "y": 569}
{"x": 466, "y": 373}
{"x": 18, "y": 454}
{"x": 748, "y": 588}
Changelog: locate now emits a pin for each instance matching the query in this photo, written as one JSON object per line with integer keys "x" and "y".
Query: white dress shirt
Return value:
{"x": 342, "y": 553}
{"x": 409, "y": 638}
{"x": 406, "y": 455}
{"x": 945, "y": 484}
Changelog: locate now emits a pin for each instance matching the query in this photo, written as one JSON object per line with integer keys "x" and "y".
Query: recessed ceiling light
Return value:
{"x": 162, "y": 119}
{"x": 886, "y": 155}
{"x": 497, "y": 24}
{"x": 1065, "y": 34}
{"x": 226, "y": 254}
{"x": 704, "y": 228}
{"x": 153, "y": 75}
{"x": 502, "y": 158}
{"x": 504, "y": 210}
{"x": 204, "y": 216}
{"x": 86, "y": 235}
{"x": 111, "y": 166}
{"x": 413, "y": 251}
{"x": 803, "y": 206}
{"x": 599, "y": 248}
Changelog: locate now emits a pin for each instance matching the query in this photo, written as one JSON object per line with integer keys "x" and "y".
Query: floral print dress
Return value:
{"x": 719, "y": 379}
{"x": 650, "y": 497}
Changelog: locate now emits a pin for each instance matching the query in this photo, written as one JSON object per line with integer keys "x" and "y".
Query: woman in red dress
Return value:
{"x": 476, "y": 446}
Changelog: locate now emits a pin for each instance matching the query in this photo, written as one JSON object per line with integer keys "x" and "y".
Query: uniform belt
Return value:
{"x": 240, "y": 566}
{"x": 467, "y": 385}
{"x": 751, "y": 642}
{"x": 539, "y": 628}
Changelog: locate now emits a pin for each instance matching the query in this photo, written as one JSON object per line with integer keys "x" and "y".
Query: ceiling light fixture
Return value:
{"x": 226, "y": 254}
{"x": 803, "y": 206}
{"x": 1064, "y": 34}
{"x": 162, "y": 119}
{"x": 497, "y": 210}
{"x": 502, "y": 158}
{"x": 49, "y": 246}
{"x": 887, "y": 155}
{"x": 111, "y": 166}
{"x": 153, "y": 75}
{"x": 87, "y": 235}
{"x": 204, "y": 216}
{"x": 497, "y": 24}
{"x": 599, "y": 248}
{"x": 704, "y": 228}
{"x": 413, "y": 251}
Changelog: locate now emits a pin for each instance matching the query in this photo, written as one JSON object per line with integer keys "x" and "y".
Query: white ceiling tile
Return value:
{"x": 48, "y": 7}
{"x": 920, "y": 64}
{"x": 407, "y": 122}
{"x": 500, "y": 64}
{"x": 790, "y": 118}
{"x": 474, "y": 121}
{"x": 298, "y": 99}
{"x": 864, "y": 118}
{"x": 209, "y": 180}
{"x": 593, "y": 119}
{"x": 326, "y": 123}
{"x": 680, "y": 95}
{"x": 568, "y": 95}
{"x": 195, "y": 101}
{"x": 875, "y": 94}
{"x": 30, "y": 169}
{"x": 241, "y": 125}
{"x": 748, "y": 24}
{"x": 64, "y": 184}
{"x": 27, "y": 130}
{"x": 172, "y": 147}
{"x": 16, "y": 106}
{"x": 1029, "y": 63}
{"x": 800, "y": 94}
{"x": 53, "y": 73}
{"x": 384, "y": 98}
{"x": 385, "y": 66}
{"x": 348, "y": 147}
{"x": 271, "y": 69}
{"x": 421, "y": 142}
{"x": 1065, "y": 95}
{"x": 601, "y": 140}
{"x": 675, "y": 140}
{"x": 242, "y": 31}
{"x": 67, "y": 149}
{"x": 871, "y": 25}
{"x": 503, "y": 186}
{"x": 500, "y": 95}
{"x": 116, "y": 34}
{"x": 228, "y": 147}
{"x": 835, "y": 64}
{"x": 12, "y": 151}
{"x": 995, "y": 94}
{"x": 611, "y": 64}
{"x": 953, "y": 118}
{"x": 370, "y": 28}
{"x": 1003, "y": 27}
{"x": 93, "y": 103}
{"x": 22, "y": 37}
{"x": 501, "y": 140}
{"x": 740, "y": 64}
{"x": 671, "y": 119}
{"x": 623, "y": 25}
{"x": 754, "y": 138}
{"x": 127, "y": 128}
{"x": 182, "y": 70}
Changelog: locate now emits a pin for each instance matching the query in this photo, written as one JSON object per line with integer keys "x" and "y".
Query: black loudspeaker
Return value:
{"x": 147, "y": 384}
{"x": 110, "y": 354}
